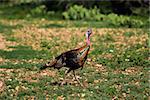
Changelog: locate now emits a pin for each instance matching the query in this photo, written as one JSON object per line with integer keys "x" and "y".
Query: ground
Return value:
{"x": 116, "y": 68}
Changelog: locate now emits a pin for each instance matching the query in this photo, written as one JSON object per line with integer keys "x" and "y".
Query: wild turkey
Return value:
{"x": 72, "y": 59}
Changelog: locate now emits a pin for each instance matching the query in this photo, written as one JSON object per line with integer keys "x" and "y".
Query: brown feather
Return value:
{"x": 49, "y": 64}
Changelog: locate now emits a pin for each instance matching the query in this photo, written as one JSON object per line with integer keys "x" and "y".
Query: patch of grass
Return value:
{"x": 45, "y": 44}
{"x": 7, "y": 29}
{"x": 24, "y": 52}
{"x": 50, "y": 44}
{"x": 11, "y": 38}
{"x": 14, "y": 12}
{"x": 116, "y": 84}
{"x": 25, "y": 65}
{"x": 107, "y": 38}
{"x": 129, "y": 34}
{"x": 132, "y": 56}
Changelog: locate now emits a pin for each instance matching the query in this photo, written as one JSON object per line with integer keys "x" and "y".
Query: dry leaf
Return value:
{"x": 60, "y": 97}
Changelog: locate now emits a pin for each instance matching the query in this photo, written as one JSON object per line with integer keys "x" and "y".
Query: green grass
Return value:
{"x": 7, "y": 29}
{"x": 24, "y": 52}
{"x": 118, "y": 67}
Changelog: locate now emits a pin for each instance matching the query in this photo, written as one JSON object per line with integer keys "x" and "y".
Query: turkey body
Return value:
{"x": 72, "y": 59}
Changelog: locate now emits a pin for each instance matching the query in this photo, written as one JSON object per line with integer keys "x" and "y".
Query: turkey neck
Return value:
{"x": 88, "y": 40}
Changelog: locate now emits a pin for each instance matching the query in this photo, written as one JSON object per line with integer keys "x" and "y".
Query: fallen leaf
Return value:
{"x": 60, "y": 97}
{"x": 1, "y": 85}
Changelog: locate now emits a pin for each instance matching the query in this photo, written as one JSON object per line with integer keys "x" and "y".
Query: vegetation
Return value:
{"x": 117, "y": 65}
{"x": 79, "y": 12}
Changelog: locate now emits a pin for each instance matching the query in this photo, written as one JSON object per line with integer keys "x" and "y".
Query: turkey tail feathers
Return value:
{"x": 49, "y": 64}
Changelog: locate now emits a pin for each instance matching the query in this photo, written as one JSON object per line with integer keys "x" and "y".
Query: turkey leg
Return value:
{"x": 65, "y": 76}
{"x": 77, "y": 79}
